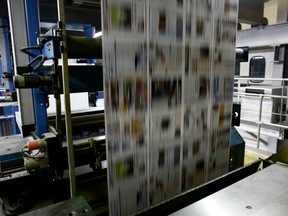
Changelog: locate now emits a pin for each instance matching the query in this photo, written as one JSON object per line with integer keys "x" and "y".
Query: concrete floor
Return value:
{"x": 251, "y": 156}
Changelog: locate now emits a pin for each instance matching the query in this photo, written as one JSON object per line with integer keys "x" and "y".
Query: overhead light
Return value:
{"x": 98, "y": 34}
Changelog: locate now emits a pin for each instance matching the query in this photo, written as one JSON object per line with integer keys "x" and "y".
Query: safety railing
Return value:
{"x": 253, "y": 83}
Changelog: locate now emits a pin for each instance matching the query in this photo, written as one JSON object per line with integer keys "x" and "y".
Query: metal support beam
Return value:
{"x": 16, "y": 11}
{"x": 66, "y": 90}
{"x": 273, "y": 35}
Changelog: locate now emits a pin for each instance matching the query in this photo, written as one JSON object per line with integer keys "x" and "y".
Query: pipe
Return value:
{"x": 259, "y": 120}
{"x": 66, "y": 90}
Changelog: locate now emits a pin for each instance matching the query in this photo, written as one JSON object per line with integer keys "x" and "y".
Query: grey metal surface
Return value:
{"x": 12, "y": 144}
{"x": 267, "y": 36}
{"x": 19, "y": 39}
{"x": 72, "y": 207}
{"x": 264, "y": 193}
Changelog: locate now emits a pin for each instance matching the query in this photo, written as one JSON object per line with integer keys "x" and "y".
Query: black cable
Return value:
{"x": 42, "y": 57}
{"x": 26, "y": 50}
{"x": 33, "y": 156}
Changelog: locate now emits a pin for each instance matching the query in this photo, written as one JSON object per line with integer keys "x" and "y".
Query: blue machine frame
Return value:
{"x": 7, "y": 51}
{"x": 8, "y": 110}
{"x": 39, "y": 95}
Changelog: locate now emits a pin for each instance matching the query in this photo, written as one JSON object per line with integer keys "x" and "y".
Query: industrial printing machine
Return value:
{"x": 40, "y": 158}
{"x": 35, "y": 167}
{"x": 19, "y": 155}
{"x": 32, "y": 162}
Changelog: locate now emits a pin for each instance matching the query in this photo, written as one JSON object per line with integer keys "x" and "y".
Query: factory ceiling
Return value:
{"x": 77, "y": 11}
{"x": 89, "y": 12}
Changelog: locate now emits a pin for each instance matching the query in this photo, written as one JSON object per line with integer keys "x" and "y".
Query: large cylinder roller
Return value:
{"x": 82, "y": 47}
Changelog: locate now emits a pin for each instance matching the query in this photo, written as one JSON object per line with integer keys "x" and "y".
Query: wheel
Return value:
{"x": 17, "y": 203}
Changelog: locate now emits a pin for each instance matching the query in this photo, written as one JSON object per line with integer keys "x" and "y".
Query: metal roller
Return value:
{"x": 239, "y": 53}
{"x": 81, "y": 47}
{"x": 242, "y": 54}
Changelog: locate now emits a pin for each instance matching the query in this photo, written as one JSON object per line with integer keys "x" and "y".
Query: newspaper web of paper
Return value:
{"x": 168, "y": 77}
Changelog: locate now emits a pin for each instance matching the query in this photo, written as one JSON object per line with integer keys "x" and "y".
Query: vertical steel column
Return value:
{"x": 19, "y": 39}
{"x": 66, "y": 90}
{"x": 238, "y": 88}
{"x": 281, "y": 104}
{"x": 259, "y": 119}
{"x": 57, "y": 97}
{"x": 39, "y": 95}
